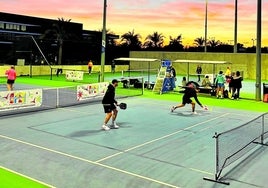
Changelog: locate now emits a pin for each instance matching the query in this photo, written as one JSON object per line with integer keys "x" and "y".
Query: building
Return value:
{"x": 26, "y": 38}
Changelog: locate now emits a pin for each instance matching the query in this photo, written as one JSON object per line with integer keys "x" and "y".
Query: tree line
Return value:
{"x": 129, "y": 41}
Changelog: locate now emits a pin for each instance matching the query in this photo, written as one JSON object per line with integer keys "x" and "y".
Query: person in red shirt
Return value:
{"x": 11, "y": 77}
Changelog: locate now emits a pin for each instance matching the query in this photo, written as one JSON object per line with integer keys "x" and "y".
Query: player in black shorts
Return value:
{"x": 190, "y": 91}
{"x": 109, "y": 104}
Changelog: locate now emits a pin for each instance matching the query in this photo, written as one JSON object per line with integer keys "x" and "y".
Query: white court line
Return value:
{"x": 160, "y": 138}
{"x": 88, "y": 161}
{"x": 14, "y": 172}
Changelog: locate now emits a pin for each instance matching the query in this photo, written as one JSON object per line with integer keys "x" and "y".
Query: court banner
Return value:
{"x": 89, "y": 91}
{"x": 20, "y": 99}
{"x": 74, "y": 75}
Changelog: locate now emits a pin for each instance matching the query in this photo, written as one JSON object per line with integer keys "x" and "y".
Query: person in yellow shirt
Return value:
{"x": 228, "y": 73}
{"x": 90, "y": 66}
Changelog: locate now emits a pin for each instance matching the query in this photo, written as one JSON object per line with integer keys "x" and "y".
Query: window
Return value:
{"x": 23, "y": 28}
{"x": 7, "y": 26}
{"x": 2, "y": 25}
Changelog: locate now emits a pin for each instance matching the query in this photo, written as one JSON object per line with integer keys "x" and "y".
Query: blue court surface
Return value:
{"x": 153, "y": 148}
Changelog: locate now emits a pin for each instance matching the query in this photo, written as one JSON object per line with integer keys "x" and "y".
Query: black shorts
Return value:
{"x": 186, "y": 100}
{"x": 10, "y": 81}
{"x": 108, "y": 108}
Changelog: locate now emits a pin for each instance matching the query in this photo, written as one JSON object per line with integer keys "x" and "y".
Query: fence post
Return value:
{"x": 57, "y": 98}
{"x": 142, "y": 83}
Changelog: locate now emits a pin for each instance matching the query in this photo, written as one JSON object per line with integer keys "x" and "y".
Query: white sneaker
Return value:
{"x": 172, "y": 109}
{"x": 114, "y": 126}
{"x": 106, "y": 128}
{"x": 194, "y": 113}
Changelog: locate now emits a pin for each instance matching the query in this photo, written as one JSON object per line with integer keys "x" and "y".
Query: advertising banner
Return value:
{"x": 91, "y": 90}
{"x": 74, "y": 75}
{"x": 20, "y": 99}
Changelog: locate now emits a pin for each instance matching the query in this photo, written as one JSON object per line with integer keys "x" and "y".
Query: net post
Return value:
{"x": 216, "y": 136}
{"x": 51, "y": 73}
{"x": 217, "y": 169}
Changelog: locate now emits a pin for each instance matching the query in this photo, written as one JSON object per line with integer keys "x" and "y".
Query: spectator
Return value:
{"x": 237, "y": 85}
{"x": 220, "y": 84}
{"x": 113, "y": 66}
{"x": 228, "y": 73}
{"x": 183, "y": 82}
{"x": 173, "y": 76}
{"x": 90, "y": 66}
{"x": 231, "y": 83}
{"x": 206, "y": 82}
{"x": 198, "y": 72}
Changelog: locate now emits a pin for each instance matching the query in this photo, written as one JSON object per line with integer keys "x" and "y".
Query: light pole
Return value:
{"x": 103, "y": 42}
{"x": 258, "y": 51}
{"x": 253, "y": 42}
{"x": 235, "y": 29}
{"x": 206, "y": 26}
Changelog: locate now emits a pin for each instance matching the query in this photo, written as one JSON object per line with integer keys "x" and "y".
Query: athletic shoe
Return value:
{"x": 217, "y": 96}
{"x": 114, "y": 126}
{"x": 172, "y": 109}
{"x": 194, "y": 113}
{"x": 106, "y": 128}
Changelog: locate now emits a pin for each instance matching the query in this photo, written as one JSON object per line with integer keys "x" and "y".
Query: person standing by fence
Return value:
{"x": 199, "y": 72}
{"x": 11, "y": 77}
{"x": 113, "y": 67}
{"x": 173, "y": 77}
{"x": 90, "y": 66}
{"x": 237, "y": 85}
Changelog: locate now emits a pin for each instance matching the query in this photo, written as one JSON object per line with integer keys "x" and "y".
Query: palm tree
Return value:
{"x": 131, "y": 40}
{"x": 175, "y": 43}
{"x": 199, "y": 42}
{"x": 59, "y": 33}
{"x": 155, "y": 40}
{"x": 213, "y": 43}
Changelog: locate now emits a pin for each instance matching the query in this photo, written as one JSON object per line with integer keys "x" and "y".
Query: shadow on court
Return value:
{"x": 66, "y": 147}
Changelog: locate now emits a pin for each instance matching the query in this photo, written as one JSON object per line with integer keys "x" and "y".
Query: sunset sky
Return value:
{"x": 169, "y": 17}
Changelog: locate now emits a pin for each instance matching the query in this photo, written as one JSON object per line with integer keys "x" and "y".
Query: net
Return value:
{"x": 23, "y": 101}
{"x": 233, "y": 144}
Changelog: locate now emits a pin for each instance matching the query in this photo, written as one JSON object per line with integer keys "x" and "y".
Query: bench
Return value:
{"x": 206, "y": 90}
{"x": 128, "y": 81}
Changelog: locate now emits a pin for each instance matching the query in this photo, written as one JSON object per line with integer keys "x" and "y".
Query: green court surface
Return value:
{"x": 14, "y": 180}
{"x": 153, "y": 148}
